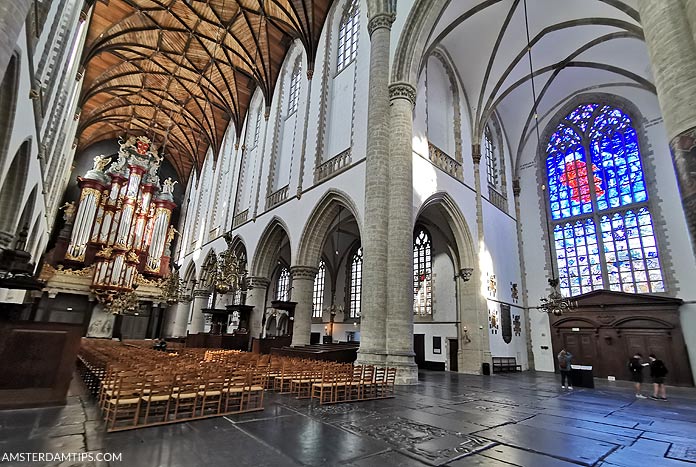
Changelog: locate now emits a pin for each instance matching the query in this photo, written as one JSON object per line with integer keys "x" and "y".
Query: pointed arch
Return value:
{"x": 8, "y": 105}
{"x": 466, "y": 255}
{"x": 12, "y": 192}
{"x": 317, "y": 226}
{"x": 270, "y": 242}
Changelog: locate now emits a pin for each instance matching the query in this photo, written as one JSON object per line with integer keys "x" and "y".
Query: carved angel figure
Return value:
{"x": 100, "y": 162}
{"x": 68, "y": 211}
{"x": 171, "y": 233}
{"x": 119, "y": 164}
{"x": 169, "y": 185}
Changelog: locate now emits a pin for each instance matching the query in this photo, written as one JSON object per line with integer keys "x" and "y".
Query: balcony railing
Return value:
{"x": 240, "y": 218}
{"x": 332, "y": 166}
{"x": 497, "y": 199}
{"x": 441, "y": 160}
{"x": 277, "y": 197}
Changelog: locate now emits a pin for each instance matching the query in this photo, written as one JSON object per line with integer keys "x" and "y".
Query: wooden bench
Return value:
{"x": 505, "y": 364}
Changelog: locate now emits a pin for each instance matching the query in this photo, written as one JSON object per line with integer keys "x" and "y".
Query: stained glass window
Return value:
{"x": 283, "y": 284}
{"x": 422, "y": 273}
{"x": 348, "y": 36}
{"x": 602, "y": 228}
{"x": 318, "y": 293}
{"x": 356, "y": 283}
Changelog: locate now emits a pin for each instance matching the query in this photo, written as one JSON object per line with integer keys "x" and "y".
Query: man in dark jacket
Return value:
{"x": 658, "y": 371}
{"x": 564, "y": 360}
{"x": 635, "y": 365}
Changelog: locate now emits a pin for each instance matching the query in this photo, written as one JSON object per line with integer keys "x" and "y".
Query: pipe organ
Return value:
{"x": 123, "y": 219}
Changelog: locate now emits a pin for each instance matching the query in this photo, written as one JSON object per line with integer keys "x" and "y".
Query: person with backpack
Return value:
{"x": 635, "y": 366}
{"x": 564, "y": 361}
{"x": 658, "y": 371}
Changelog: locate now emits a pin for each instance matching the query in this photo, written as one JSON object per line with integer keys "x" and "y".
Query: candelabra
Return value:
{"x": 555, "y": 304}
{"x": 172, "y": 288}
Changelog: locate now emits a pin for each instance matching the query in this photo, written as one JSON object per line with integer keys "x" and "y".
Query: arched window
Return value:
{"x": 602, "y": 228}
{"x": 257, "y": 131}
{"x": 356, "y": 283}
{"x": 318, "y": 294}
{"x": 422, "y": 273}
{"x": 283, "y": 284}
{"x": 294, "y": 90}
{"x": 348, "y": 36}
{"x": 491, "y": 158}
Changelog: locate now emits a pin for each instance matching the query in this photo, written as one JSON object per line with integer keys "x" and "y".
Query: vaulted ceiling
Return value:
{"x": 576, "y": 46}
{"x": 179, "y": 71}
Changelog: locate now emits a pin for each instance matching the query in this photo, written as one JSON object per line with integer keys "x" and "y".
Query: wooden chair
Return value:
{"x": 122, "y": 408}
{"x": 156, "y": 400}
{"x": 210, "y": 397}
{"x": 184, "y": 398}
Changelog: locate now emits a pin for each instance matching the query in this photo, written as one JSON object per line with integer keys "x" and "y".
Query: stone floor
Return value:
{"x": 521, "y": 419}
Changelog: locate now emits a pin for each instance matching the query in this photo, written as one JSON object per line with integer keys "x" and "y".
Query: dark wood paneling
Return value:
{"x": 453, "y": 355}
{"x": 607, "y": 328}
{"x": 37, "y": 361}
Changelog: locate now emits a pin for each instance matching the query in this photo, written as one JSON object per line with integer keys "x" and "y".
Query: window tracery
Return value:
{"x": 603, "y": 231}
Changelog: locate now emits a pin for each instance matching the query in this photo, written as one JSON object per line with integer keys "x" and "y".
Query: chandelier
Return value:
{"x": 228, "y": 273}
{"x": 172, "y": 288}
{"x": 553, "y": 304}
{"x": 556, "y": 304}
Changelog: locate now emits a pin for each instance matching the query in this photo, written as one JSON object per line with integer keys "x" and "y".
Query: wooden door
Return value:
{"x": 419, "y": 349}
{"x": 453, "y": 351}
{"x": 583, "y": 347}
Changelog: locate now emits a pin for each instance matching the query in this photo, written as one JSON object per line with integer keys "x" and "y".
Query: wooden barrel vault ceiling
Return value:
{"x": 179, "y": 71}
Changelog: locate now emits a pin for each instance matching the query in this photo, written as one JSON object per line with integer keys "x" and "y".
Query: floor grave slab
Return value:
{"x": 552, "y": 443}
{"x": 432, "y": 445}
{"x": 311, "y": 442}
{"x": 683, "y": 452}
{"x": 522, "y": 458}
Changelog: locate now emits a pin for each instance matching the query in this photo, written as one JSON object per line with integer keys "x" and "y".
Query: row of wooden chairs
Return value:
{"x": 131, "y": 399}
{"x": 364, "y": 382}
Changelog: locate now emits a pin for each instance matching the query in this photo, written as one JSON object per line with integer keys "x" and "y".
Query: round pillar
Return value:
{"x": 672, "y": 50}
{"x": 200, "y": 301}
{"x": 374, "y": 241}
{"x": 400, "y": 241}
{"x": 302, "y": 291}
{"x": 181, "y": 315}
{"x": 256, "y": 297}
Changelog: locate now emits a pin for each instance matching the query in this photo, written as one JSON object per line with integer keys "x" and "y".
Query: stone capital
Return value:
{"x": 380, "y": 20}
{"x": 402, "y": 90}
{"x": 201, "y": 293}
{"x": 516, "y": 187}
{"x": 257, "y": 282}
{"x": 476, "y": 153}
{"x": 303, "y": 272}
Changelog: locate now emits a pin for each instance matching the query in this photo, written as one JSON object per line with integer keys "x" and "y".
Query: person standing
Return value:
{"x": 658, "y": 371}
{"x": 564, "y": 361}
{"x": 635, "y": 365}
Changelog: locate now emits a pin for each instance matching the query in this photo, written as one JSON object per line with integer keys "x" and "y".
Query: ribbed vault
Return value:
{"x": 180, "y": 71}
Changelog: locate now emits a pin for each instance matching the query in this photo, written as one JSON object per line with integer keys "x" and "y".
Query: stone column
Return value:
{"x": 672, "y": 50}
{"x": 523, "y": 273}
{"x": 400, "y": 245}
{"x": 200, "y": 301}
{"x": 374, "y": 239}
{"x": 302, "y": 288}
{"x": 256, "y": 296}
{"x": 13, "y": 15}
{"x": 182, "y": 310}
{"x": 169, "y": 320}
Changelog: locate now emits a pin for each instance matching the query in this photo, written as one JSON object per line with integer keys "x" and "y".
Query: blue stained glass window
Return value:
{"x": 603, "y": 231}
